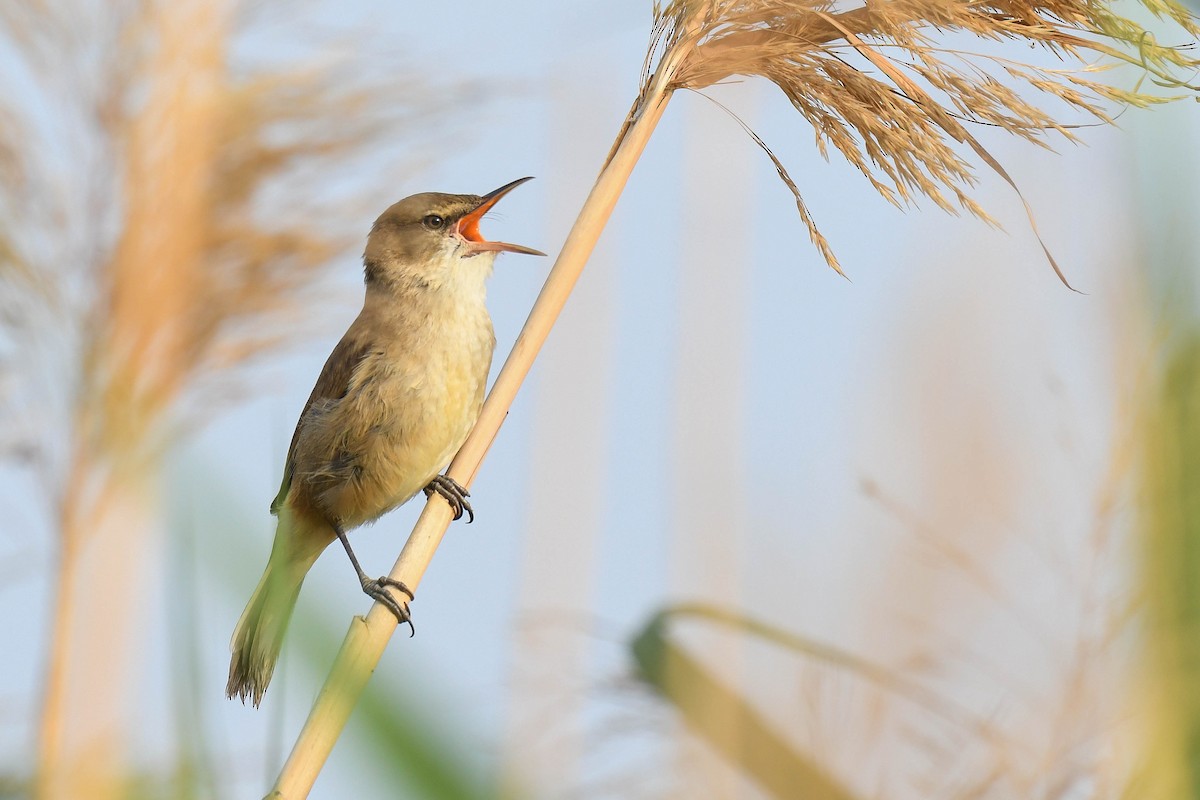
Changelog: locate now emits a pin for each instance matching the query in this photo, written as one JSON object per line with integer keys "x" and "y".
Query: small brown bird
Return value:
{"x": 394, "y": 402}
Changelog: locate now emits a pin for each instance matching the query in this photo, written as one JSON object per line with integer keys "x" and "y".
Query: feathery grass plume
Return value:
{"x": 899, "y": 129}
{"x": 727, "y": 719}
{"x": 163, "y": 207}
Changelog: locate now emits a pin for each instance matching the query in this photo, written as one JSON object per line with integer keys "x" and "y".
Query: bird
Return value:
{"x": 394, "y": 402}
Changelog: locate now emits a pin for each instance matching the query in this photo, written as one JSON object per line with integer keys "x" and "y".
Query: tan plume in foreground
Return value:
{"x": 164, "y": 212}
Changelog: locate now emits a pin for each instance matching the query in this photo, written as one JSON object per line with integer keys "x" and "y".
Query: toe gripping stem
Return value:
{"x": 454, "y": 493}
{"x": 377, "y": 588}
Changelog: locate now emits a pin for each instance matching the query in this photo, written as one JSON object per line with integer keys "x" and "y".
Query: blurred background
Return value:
{"x": 751, "y": 529}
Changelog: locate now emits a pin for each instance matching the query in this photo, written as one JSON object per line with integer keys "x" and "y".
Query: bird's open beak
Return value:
{"x": 468, "y": 225}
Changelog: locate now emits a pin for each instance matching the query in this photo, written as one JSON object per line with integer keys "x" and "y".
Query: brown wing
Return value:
{"x": 333, "y": 384}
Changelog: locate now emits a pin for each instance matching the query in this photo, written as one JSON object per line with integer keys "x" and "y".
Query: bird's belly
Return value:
{"x": 416, "y": 421}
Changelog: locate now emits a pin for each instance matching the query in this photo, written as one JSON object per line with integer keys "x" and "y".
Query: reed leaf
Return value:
{"x": 727, "y": 721}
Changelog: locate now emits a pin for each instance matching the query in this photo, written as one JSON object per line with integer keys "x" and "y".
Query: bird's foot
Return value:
{"x": 377, "y": 589}
{"x": 454, "y": 494}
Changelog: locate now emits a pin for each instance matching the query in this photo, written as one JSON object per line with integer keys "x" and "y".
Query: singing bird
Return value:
{"x": 394, "y": 402}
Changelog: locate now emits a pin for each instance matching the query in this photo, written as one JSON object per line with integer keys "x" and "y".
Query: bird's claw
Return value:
{"x": 454, "y": 493}
{"x": 377, "y": 589}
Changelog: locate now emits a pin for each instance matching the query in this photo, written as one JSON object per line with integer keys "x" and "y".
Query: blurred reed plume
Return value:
{"x": 899, "y": 130}
{"x": 164, "y": 205}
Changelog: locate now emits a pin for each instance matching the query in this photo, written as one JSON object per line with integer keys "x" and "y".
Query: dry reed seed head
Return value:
{"x": 254, "y": 142}
{"x": 898, "y": 128}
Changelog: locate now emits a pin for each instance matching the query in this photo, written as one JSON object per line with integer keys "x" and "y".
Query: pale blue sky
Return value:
{"x": 834, "y": 381}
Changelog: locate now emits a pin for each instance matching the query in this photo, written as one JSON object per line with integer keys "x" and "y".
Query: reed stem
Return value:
{"x": 367, "y": 637}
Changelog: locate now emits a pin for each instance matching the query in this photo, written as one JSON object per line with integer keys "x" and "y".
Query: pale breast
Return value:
{"x": 409, "y": 414}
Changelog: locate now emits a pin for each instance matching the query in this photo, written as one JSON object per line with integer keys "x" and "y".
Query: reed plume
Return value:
{"x": 164, "y": 209}
{"x": 899, "y": 127}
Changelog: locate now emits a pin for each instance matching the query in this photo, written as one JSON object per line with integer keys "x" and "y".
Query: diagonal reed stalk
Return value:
{"x": 894, "y": 131}
{"x": 367, "y": 638}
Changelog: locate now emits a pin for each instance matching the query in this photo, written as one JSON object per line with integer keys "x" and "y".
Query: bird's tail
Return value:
{"x": 258, "y": 637}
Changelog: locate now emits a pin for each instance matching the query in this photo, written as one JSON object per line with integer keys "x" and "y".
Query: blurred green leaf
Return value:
{"x": 723, "y": 718}
{"x": 13, "y": 786}
{"x": 392, "y": 729}
{"x": 1172, "y": 574}
{"x": 399, "y": 731}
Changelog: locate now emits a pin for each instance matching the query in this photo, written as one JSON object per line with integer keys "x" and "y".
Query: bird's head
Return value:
{"x": 429, "y": 238}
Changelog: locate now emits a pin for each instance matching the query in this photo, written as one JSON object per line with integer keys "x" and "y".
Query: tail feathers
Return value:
{"x": 258, "y": 637}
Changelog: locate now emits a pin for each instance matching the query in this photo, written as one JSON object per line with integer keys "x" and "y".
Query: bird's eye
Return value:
{"x": 433, "y": 222}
